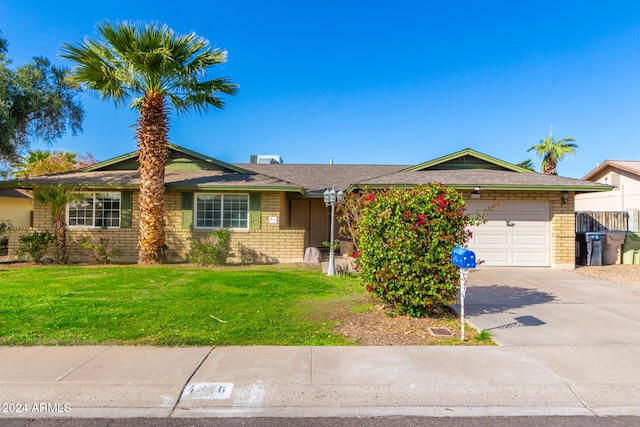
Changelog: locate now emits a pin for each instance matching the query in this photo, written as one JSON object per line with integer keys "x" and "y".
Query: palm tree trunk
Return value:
{"x": 152, "y": 135}
{"x": 550, "y": 166}
{"x": 61, "y": 239}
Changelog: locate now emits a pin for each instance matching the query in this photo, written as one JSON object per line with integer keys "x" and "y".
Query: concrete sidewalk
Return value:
{"x": 570, "y": 346}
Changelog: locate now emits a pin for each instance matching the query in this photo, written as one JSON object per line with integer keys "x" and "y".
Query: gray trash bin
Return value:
{"x": 612, "y": 248}
{"x": 595, "y": 240}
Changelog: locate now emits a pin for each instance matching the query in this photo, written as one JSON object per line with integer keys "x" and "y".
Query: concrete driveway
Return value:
{"x": 585, "y": 331}
{"x": 540, "y": 306}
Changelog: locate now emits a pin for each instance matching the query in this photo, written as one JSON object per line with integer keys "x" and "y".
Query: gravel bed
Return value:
{"x": 628, "y": 274}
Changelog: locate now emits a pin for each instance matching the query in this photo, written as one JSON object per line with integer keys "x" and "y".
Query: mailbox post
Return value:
{"x": 465, "y": 259}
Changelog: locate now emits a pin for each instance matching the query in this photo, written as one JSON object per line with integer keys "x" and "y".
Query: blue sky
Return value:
{"x": 378, "y": 82}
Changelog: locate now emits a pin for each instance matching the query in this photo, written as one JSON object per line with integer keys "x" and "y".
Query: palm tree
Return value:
{"x": 39, "y": 162}
{"x": 527, "y": 164}
{"x": 553, "y": 151}
{"x": 26, "y": 164}
{"x": 153, "y": 68}
{"x": 57, "y": 197}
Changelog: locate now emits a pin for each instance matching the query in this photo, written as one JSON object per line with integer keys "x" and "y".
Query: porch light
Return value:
{"x": 331, "y": 198}
{"x": 476, "y": 194}
{"x": 565, "y": 197}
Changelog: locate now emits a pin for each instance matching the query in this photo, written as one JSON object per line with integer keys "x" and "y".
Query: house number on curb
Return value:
{"x": 211, "y": 391}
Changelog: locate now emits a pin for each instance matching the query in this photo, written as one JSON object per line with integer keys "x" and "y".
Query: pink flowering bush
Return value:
{"x": 405, "y": 242}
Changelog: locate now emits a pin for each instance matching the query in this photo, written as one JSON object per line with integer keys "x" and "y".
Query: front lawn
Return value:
{"x": 175, "y": 305}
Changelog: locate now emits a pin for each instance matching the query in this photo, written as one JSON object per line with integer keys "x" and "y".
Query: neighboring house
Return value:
{"x": 624, "y": 176}
{"x": 16, "y": 206}
{"x": 277, "y": 210}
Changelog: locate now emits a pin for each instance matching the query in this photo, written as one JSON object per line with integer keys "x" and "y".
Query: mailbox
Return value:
{"x": 463, "y": 258}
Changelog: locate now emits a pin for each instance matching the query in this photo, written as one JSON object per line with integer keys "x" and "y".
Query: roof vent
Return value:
{"x": 266, "y": 159}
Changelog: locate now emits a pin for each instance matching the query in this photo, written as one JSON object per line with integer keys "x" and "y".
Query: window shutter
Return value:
{"x": 254, "y": 211}
{"x": 125, "y": 209}
{"x": 187, "y": 210}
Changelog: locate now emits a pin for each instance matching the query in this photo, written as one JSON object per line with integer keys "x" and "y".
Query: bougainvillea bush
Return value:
{"x": 405, "y": 240}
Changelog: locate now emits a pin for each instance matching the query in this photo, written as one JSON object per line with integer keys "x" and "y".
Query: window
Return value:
{"x": 97, "y": 210}
{"x": 222, "y": 211}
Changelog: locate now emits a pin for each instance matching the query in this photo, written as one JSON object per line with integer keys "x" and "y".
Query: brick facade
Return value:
{"x": 274, "y": 242}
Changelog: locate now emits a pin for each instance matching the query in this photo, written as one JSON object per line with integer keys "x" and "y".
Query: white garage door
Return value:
{"x": 515, "y": 234}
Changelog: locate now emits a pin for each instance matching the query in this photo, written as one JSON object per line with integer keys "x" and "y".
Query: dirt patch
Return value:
{"x": 628, "y": 274}
{"x": 378, "y": 328}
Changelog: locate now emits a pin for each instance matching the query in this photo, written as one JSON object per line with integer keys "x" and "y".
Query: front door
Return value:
{"x": 312, "y": 216}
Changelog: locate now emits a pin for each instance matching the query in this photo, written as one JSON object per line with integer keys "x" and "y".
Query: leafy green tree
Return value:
{"x": 39, "y": 162}
{"x": 57, "y": 197}
{"x": 153, "y": 69}
{"x": 405, "y": 241}
{"x": 37, "y": 104}
{"x": 553, "y": 151}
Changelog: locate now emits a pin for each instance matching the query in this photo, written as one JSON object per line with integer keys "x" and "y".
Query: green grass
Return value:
{"x": 484, "y": 336}
{"x": 175, "y": 305}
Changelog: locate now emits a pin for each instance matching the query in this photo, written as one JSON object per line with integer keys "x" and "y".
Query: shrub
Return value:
{"x": 100, "y": 247}
{"x": 213, "y": 249}
{"x": 35, "y": 245}
{"x": 405, "y": 242}
{"x": 5, "y": 225}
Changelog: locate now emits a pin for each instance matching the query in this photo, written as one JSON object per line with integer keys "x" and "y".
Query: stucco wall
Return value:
{"x": 625, "y": 197}
{"x": 16, "y": 210}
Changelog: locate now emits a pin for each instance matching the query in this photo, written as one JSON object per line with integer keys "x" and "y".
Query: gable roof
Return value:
{"x": 191, "y": 171}
{"x": 15, "y": 193}
{"x": 465, "y": 169}
{"x": 189, "y": 180}
{"x": 630, "y": 166}
{"x": 487, "y": 179}
{"x": 180, "y": 158}
{"x": 316, "y": 178}
{"x": 467, "y": 159}
{"x": 186, "y": 170}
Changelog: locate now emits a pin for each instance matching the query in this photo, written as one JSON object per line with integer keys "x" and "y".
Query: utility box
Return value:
{"x": 463, "y": 258}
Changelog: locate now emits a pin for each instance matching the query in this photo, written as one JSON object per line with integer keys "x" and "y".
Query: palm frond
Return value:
{"x": 132, "y": 59}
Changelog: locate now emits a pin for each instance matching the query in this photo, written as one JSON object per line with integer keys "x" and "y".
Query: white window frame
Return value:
{"x": 93, "y": 207}
{"x": 222, "y": 211}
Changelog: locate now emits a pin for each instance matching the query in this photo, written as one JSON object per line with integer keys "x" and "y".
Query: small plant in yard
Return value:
{"x": 334, "y": 247}
{"x": 100, "y": 248}
{"x": 483, "y": 335}
{"x": 57, "y": 197}
{"x": 214, "y": 249}
{"x": 35, "y": 245}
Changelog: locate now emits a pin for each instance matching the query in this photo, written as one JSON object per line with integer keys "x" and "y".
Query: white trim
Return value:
{"x": 93, "y": 217}
{"x": 222, "y": 195}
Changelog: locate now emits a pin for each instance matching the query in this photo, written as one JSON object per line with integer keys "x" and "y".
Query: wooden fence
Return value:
{"x": 600, "y": 221}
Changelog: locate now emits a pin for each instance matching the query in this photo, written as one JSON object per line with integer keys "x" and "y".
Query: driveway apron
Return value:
{"x": 585, "y": 331}
{"x": 538, "y": 306}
